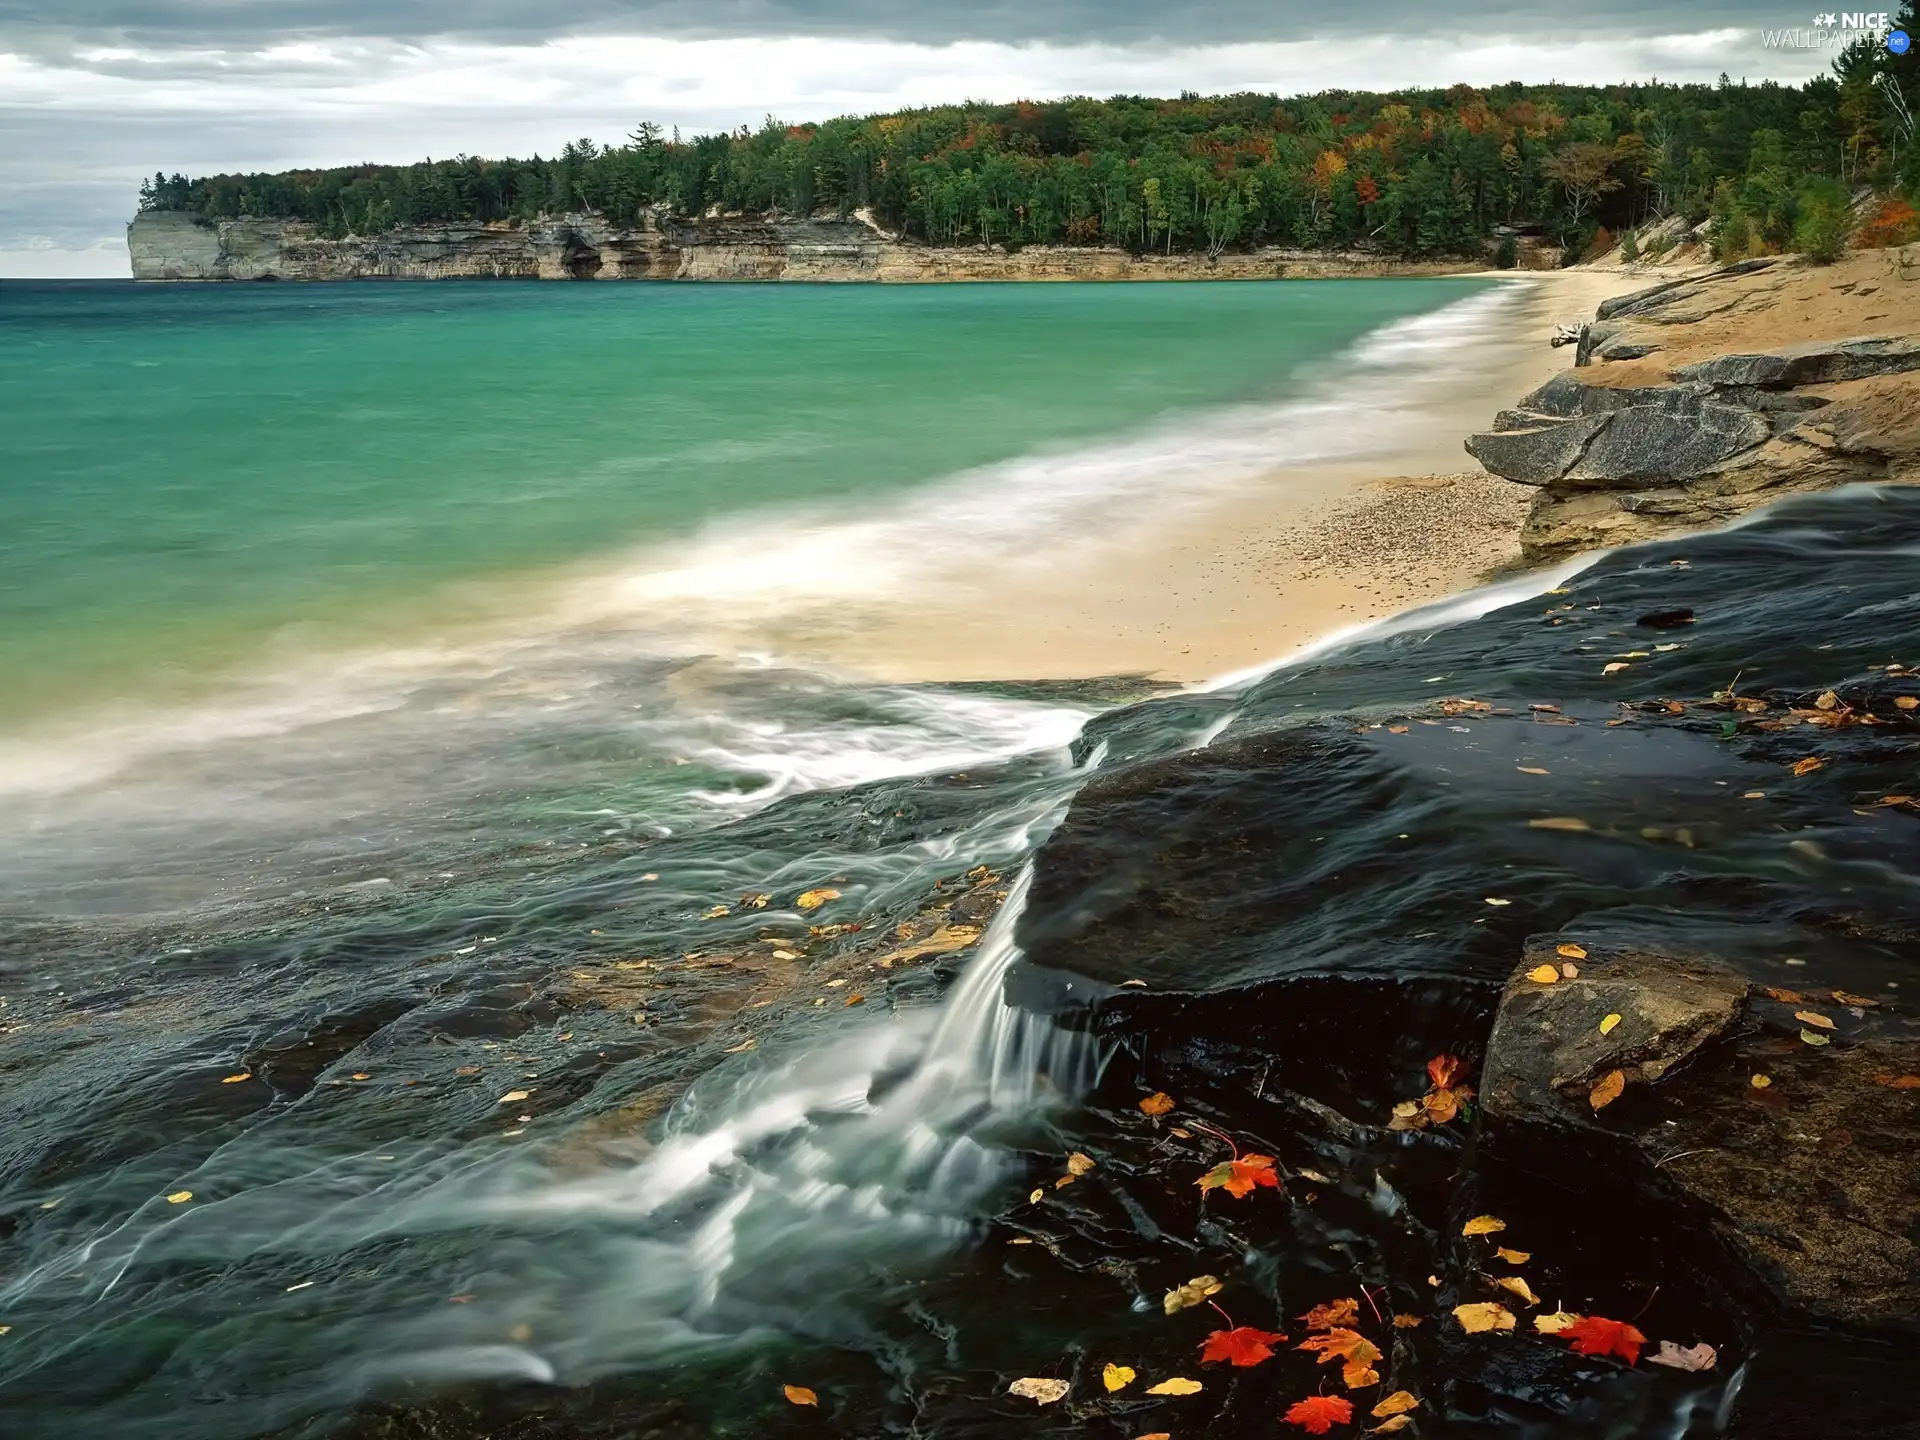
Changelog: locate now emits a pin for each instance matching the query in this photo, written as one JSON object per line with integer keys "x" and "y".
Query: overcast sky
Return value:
{"x": 96, "y": 93}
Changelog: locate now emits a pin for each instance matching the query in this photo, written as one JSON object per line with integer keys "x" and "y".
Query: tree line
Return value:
{"x": 1420, "y": 172}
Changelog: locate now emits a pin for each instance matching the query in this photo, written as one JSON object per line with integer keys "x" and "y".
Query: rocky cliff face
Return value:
{"x": 171, "y": 246}
{"x": 1685, "y": 409}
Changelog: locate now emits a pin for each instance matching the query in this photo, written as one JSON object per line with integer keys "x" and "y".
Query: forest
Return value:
{"x": 1420, "y": 173}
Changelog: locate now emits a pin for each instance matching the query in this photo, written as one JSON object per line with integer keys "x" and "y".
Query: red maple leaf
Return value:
{"x": 1597, "y": 1335}
{"x": 1317, "y": 1414}
{"x": 1441, "y": 1070}
{"x": 1242, "y": 1345}
{"x": 1238, "y": 1177}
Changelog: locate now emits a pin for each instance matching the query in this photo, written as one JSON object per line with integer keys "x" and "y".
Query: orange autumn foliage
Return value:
{"x": 1354, "y": 1350}
{"x": 1242, "y": 1345}
{"x": 1318, "y": 1414}
{"x": 1239, "y": 1177}
{"x": 1597, "y": 1335}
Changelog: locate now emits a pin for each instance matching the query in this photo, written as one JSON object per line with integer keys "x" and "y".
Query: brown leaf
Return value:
{"x": 1079, "y": 1164}
{"x": 800, "y": 1395}
{"x": 1807, "y": 766}
{"x": 1333, "y": 1314}
{"x": 1607, "y": 1090}
{"x": 1039, "y": 1389}
{"x": 1826, "y": 700}
{"x": 1408, "y": 1322}
{"x": 1813, "y": 1018}
{"x": 1785, "y": 997}
{"x": 1864, "y": 1001}
{"x": 1898, "y": 1082}
{"x": 1690, "y": 1357}
{"x": 513, "y": 1096}
{"x": 1158, "y": 1103}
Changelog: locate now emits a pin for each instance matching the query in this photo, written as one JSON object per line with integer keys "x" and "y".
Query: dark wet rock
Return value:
{"x": 1677, "y": 435}
{"x": 1537, "y": 456}
{"x": 1823, "y": 362}
{"x": 1666, "y": 619}
{"x": 1547, "y": 1050}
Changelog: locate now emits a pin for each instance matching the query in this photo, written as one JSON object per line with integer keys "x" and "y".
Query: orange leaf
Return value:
{"x": 1239, "y": 1177}
{"x": 800, "y": 1395}
{"x": 1442, "y": 1069}
{"x": 1158, "y": 1103}
{"x": 1597, "y": 1335}
{"x": 1898, "y": 1082}
{"x": 1785, "y": 997}
{"x": 1349, "y": 1346}
{"x": 1333, "y": 1314}
{"x": 1607, "y": 1089}
{"x": 1242, "y": 1345}
{"x": 1318, "y": 1414}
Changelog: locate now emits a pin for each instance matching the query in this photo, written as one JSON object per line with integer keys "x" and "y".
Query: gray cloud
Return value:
{"x": 223, "y": 22}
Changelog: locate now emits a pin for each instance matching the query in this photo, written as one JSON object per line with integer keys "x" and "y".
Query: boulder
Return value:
{"x": 1537, "y": 456}
{"x": 1647, "y": 304}
{"x": 1676, "y": 437}
{"x": 1547, "y": 1051}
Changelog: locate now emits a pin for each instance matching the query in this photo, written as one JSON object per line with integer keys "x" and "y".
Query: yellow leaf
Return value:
{"x": 1117, "y": 1377}
{"x": 1398, "y": 1403}
{"x": 236, "y": 1079}
{"x": 1906, "y": 702}
{"x": 718, "y": 912}
{"x": 1478, "y": 1318}
{"x": 1815, "y": 1038}
{"x": 179, "y": 1197}
{"x": 1532, "y": 770}
{"x": 1158, "y": 1103}
{"x": 513, "y": 1095}
{"x": 1483, "y": 1225}
{"x": 1556, "y": 1322}
{"x": 1194, "y": 1292}
{"x": 1179, "y": 1385}
{"x": 1078, "y": 1164}
{"x": 1495, "y": 900}
{"x": 1064, "y": 1181}
{"x": 1606, "y": 1025}
{"x": 1514, "y": 1285}
{"x": 800, "y": 1395}
{"x": 1813, "y": 1018}
{"x": 1038, "y": 1389}
{"x": 1036, "y": 1197}
{"x": 1544, "y": 974}
{"x": 1558, "y": 822}
{"x": 1607, "y": 1089}
{"x": 1613, "y": 667}
{"x": 1808, "y": 765}
{"x": 1393, "y": 1426}
{"x": 1761, "y": 1082}
{"x": 1514, "y": 1257}
{"x": 1571, "y": 952}
{"x": 814, "y": 899}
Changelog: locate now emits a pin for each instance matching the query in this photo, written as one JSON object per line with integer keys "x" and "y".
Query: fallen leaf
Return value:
{"x": 1442, "y": 1069}
{"x": 1355, "y": 1352}
{"x": 1039, "y": 1390}
{"x": 1607, "y": 1090}
{"x": 1333, "y": 1314}
{"x": 1396, "y": 729}
{"x": 716, "y": 913}
{"x": 1808, "y": 765}
{"x": 1079, "y": 1164}
{"x": 1761, "y": 1082}
{"x": 1514, "y": 1285}
{"x": 1898, "y": 1082}
{"x": 1482, "y": 1316}
{"x": 1569, "y": 971}
{"x": 1157, "y": 1435}
{"x": 1571, "y": 952}
{"x": 1036, "y": 1196}
{"x": 800, "y": 1395}
{"x": 1178, "y": 1385}
{"x": 1813, "y": 1018}
{"x": 1597, "y": 1335}
{"x": 1317, "y": 1414}
{"x": 1514, "y": 1257}
{"x": 1544, "y": 974}
{"x": 1826, "y": 700}
{"x": 814, "y": 899}
{"x": 1614, "y": 667}
{"x": 1158, "y": 1103}
{"x": 236, "y": 1079}
{"x": 1239, "y": 1177}
{"x": 755, "y": 900}
{"x": 1689, "y": 1357}
{"x": 1813, "y": 1037}
{"x": 1558, "y": 822}
{"x": 1556, "y": 1322}
{"x": 1064, "y": 1181}
{"x": 1194, "y": 1292}
{"x": 1117, "y": 1377}
{"x": 1785, "y": 997}
{"x": 179, "y": 1197}
{"x": 1532, "y": 770}
{"x": 1606, "y": 1025}
{"x": 1408, "y": 1322}
{"x": 1393, "y": 1426}
{"x": 1843, "y": 998}
{"x": 1494, "y": 900}
{"x": 1398, "y": 1403}
{"x": 744, "y": 1046}
{"x": 514, "y": 1095}
{"x": 1483, "y": 1225}
{"x": 1906, "y": 702}
{"x": 1242, "y": 1345}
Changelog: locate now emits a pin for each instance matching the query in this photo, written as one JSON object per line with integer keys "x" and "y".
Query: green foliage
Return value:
{"x": 1629, "y": 245}
{"x": 1825, "y": 222}
{"x": 1507, "y": 255}
{"x": 1420, "y": 172}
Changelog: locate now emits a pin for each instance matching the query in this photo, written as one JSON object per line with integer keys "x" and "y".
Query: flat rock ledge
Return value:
{"x": 1810, "y": 1177}
{"x": 1618, "y": 463}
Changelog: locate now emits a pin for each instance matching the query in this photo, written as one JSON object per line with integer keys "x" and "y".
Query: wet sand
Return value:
{"x": 1258, "y": 573}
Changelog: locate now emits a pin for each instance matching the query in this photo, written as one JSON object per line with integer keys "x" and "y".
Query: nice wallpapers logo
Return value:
{"x": 1835, "y": 30}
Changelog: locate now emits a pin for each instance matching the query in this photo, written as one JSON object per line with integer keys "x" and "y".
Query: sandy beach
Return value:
{"x": 1268, "y": 568}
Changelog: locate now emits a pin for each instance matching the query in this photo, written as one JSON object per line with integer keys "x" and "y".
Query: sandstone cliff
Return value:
{"x": 167, "y": 245}
{"x": 1699, "y": 399}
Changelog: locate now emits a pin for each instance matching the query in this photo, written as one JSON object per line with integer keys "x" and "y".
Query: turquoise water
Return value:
{"x": 186, "y": 473}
